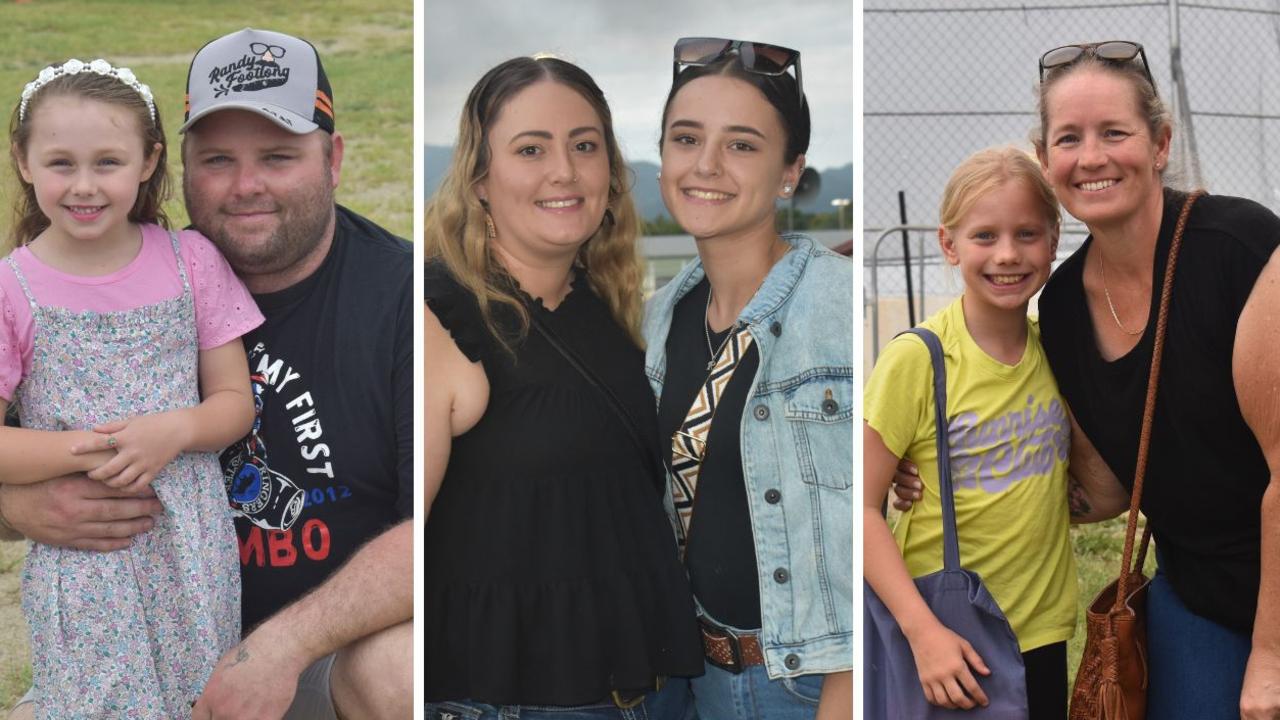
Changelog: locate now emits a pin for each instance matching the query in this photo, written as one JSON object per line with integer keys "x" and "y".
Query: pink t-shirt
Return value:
{"x": 224, "y": 308}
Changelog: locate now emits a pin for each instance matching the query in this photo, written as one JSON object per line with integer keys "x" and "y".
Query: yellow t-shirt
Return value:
{"x": 1009, "y": 435}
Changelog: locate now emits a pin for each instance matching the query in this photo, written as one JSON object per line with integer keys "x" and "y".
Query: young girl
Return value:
{"x": 1009, "y": 437}
{"x": 112, "y": 330}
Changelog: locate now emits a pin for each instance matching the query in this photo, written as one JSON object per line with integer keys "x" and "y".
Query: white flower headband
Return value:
{"x": 74, "y": 67}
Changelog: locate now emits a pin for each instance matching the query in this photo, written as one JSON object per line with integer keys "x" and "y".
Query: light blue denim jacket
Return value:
{"x": 797, "y": 440}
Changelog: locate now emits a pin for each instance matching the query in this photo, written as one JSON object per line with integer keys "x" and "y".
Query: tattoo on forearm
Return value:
{"x": 1077, "y": 501}
{"x": 242, "y": 654}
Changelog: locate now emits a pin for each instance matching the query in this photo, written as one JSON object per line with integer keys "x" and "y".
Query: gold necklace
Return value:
{"x": 1102, "y": 267}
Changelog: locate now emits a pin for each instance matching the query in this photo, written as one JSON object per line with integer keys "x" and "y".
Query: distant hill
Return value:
{"x": 836, "y": 183}
{"x": 436, "y": 160}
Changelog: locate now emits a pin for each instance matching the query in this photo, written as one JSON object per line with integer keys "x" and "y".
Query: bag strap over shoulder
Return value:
{"x": 610, "y": 399}
{"x": 1148, "y": 413}
{"x": 950, "y": 539}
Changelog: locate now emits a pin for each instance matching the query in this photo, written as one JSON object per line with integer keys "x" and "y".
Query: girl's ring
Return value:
{"x": 111, "y": 441}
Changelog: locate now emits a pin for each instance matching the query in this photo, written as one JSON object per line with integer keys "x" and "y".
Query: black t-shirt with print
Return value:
{"x": 329, "y": 464}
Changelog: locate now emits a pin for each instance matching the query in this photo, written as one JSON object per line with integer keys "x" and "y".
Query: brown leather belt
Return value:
{"x": 729, "y": 650}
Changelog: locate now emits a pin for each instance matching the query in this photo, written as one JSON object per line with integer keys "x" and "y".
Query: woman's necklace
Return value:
{"x": 774, "y": 256}
{"x": 1102, "y": 267}
{"x": 706, "y": 328}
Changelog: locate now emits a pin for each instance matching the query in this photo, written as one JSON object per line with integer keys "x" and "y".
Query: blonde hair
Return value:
{"x": 455, "y": 233}
{"x": 987, "y": 170}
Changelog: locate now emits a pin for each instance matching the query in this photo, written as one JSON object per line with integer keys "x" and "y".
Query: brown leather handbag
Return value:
{"x": 1111, "y": 682}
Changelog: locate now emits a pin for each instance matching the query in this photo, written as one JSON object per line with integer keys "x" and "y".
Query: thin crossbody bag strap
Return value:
{"x": 950, "y": 539}
{"x": 689, "y": 444}
{"x": 1148, "y": 413}
{"x": 610, "y": 399}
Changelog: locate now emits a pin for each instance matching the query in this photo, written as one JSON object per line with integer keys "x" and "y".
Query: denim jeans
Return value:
{"x": 672, "y": 702}
{"x": 751, "y": 695}
{"x": 1196, "y": 665}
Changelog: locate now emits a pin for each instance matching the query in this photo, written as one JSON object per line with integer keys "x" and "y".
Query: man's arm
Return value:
{"x": 1257, "y": 381}
{"x": 371, "y": 592}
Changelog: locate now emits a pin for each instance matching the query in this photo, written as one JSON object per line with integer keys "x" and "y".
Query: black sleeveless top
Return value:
{"x": 1206, "y": 472}
{"x": 550, "y": 574}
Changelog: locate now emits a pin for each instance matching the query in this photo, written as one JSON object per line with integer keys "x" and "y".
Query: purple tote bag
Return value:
{"x": 958, "y": 598}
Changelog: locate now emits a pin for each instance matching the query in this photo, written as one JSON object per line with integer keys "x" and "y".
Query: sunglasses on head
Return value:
{"x": 758, "y": 58}
{"x": 1113, "y": 51}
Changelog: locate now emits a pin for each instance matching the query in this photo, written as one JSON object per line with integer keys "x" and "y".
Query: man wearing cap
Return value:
{"x": 322, "y": 487}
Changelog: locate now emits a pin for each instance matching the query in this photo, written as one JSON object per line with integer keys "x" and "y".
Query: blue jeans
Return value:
{"x": 722, "y": 695}
{"x": 1196, "y": 665}
{"x": 672, "y": 702}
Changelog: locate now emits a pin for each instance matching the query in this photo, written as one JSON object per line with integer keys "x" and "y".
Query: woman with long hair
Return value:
{"x": 550, "y": 575}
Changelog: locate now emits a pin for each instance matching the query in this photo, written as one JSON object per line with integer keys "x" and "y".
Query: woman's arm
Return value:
{"x": 1093, "y": 492}
{"x": 437, "y": 406}
{"x": 146, "y": 443}
{"x": 456, "y": 394}
{"x": 1257, "y": 380}
{"x": 836, "y": 702}
{"x": 29, "y": 456}
{"x": 943, "y": 658}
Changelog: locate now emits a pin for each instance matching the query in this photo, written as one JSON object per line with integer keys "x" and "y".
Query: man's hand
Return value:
{"x": 76, "y": 512}
{"x": 1260, "y": 698}
{"x": 255, "y": 680}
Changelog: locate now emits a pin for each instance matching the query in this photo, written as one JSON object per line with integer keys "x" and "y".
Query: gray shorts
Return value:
{"x": 314, "y": 701}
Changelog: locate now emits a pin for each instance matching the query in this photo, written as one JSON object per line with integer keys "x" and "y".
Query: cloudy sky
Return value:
{"x": 626, "y": 46}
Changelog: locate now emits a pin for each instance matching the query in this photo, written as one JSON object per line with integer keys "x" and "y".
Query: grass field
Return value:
{"x": 366, "y": 48}
{"x": 367, "y": 51}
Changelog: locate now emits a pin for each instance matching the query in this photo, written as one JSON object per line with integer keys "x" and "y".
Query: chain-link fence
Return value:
{"x": 944, "y": 78}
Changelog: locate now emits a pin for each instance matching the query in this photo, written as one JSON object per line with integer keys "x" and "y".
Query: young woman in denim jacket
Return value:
{"x": 768, "y": 546}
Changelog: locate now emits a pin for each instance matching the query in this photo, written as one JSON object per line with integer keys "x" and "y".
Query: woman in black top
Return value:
{"x": 551, "y": 576}
{"x": 1209, "y": 497}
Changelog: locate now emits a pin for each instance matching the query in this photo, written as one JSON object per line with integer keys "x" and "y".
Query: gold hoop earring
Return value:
{"x": 490, "y": 230}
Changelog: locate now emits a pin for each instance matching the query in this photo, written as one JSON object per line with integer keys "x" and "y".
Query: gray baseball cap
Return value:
{"x": 275, "y": 75}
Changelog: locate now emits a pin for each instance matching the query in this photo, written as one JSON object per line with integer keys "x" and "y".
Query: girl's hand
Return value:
{"x": 143, "y": 445}
{"x": 944, "y": 660}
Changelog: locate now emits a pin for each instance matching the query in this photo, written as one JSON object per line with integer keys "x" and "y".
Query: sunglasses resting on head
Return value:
{"x": 1113, "y": 51}
{"x": 759, "y": 58}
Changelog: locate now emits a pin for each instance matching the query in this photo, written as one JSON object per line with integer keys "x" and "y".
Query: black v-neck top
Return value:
{"x": 1206, "y": 473}
{"x": 550, "y": 574}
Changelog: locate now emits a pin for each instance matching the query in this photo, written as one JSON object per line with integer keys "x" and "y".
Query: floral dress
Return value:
{"x": 133, "y": 633}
